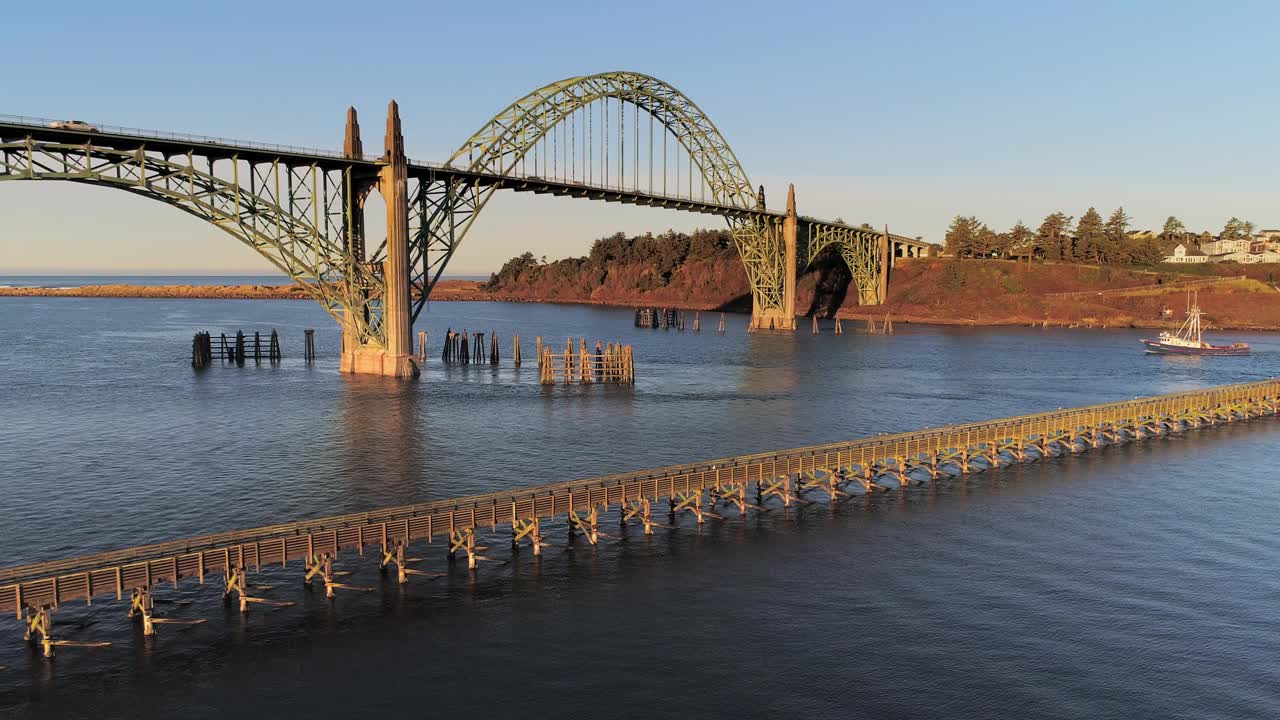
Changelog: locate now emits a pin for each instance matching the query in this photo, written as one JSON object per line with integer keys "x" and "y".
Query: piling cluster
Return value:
{"x": 670, "y": 318}
{"x": 466, "y": 348}
{"x": 238, "y": 349}
{"x": 610, "y": 363}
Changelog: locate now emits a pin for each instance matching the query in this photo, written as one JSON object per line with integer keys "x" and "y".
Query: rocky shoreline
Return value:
{"x": 918, "y": 296}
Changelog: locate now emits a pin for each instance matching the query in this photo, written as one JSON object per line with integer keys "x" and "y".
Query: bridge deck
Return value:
{"x": 14, "y": 128}
{"x": 53, "y": 582}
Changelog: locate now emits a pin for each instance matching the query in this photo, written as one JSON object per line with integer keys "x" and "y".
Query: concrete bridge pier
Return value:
{"x": 395, "y": 359}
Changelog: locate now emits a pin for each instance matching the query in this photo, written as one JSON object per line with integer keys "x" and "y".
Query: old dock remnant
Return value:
{"x": 654, "y": 318}
{"x": 694, "y": 493}
{"x": 610, "y": 363}
{"x": 238, "y": 349}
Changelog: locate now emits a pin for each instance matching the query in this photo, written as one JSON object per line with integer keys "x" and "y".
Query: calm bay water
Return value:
{"x": 1140, "y": 581}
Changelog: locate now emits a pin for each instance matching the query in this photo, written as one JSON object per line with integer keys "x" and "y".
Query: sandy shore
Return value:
{"x": 445, "y": 290}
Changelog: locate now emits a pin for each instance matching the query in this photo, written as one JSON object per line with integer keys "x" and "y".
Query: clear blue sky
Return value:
{"x": 901, "y": 113}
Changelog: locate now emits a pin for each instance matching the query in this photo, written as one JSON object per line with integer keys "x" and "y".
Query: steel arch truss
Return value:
{"x": 860, "y": 249}
{"x": 298, "y": 216}
{"x": 443, "y": 209}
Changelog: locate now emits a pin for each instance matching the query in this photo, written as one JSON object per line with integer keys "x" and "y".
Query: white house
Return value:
{"x": 1223, "y": 247}
{"x": 1248, "y": 258}
{"x": 1182, "y": 255}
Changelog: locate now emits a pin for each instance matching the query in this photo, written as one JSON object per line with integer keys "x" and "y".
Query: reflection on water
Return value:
{"x": 1122, "y": 583}
{"x": 378, "y": 427}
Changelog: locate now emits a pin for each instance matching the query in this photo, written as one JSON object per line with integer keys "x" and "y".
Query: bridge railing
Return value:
{"x": 51, "y": 124}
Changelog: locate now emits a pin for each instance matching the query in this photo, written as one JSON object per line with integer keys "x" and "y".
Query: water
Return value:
{"x": 1139, "y": 581}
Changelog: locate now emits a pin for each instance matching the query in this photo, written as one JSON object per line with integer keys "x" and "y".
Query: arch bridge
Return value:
{"x": 618, "y": 137}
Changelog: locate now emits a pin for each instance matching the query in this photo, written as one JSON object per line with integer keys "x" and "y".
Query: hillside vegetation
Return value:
{"x": 702, "y": 271}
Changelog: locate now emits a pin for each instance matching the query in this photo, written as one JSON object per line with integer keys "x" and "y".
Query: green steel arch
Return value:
{"x": 862, "y": 250}
{"x": 442, "y": 213}
{"x": 498, "y": 147}
{"x": 292, "y": 215}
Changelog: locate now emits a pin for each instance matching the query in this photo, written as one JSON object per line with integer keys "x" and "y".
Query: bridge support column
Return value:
{"x": 886, "y": 259}
{"x": 782, "y": 318}
{"x": 395, "y": 359}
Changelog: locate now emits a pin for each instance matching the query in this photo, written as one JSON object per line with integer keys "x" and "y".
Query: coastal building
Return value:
{"x": 1268, "y": 239}
{"x": 1225, "y": 247}
{"x": 1183, "y": 254}
{"x": 1249, "y": 258}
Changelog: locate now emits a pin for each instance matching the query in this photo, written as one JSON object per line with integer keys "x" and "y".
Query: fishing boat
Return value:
{"x": 1188, "y": 341}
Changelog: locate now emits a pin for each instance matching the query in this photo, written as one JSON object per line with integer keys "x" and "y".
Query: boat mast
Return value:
{"x": 1194, "y": 313}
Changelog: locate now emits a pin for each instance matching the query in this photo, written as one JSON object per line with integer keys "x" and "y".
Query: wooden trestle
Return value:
{"x": 31, "y": 592}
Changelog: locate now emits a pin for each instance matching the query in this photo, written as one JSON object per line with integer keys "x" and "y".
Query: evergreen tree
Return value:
{"x": 988, "y": 242}
{"x": 962, "y": 236}
{"x": 1174, "y": 230}
{"x": 1148, "y": 251}
{"x": 1236, "y": 229}
{"x": 1019, "y": 236}
{"x": 1055, "y": 237}
{"x": 1115, "y": 247}
{"x": 1090, "y": 237}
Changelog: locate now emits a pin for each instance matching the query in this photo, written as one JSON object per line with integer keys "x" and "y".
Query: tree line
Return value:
{"x": 663, "y": 254}
{"x": 1090, "y": 240}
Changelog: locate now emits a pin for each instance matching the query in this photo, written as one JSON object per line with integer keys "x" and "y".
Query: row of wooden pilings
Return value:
{"x": 697, "y": 491}
{"x": 466, "y": 348}
{"x": 610, "y": 363}
{"x": 240, "y": 348}
{"x": 237, "y": 349}
{"x": 667, "y": 318}
{"x": 885, "y": 328}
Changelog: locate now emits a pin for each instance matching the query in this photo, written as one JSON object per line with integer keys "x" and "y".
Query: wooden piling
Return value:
{"x": 839, "y": 328}
{"x": 721, "y": 328}
{"x": 309, "y": 345}
{"x": 815, "y": 324}
{"x": 257, "y": 346}
{"x": 493, "y": 347}
{"x": 273, "y": 352}
{"x": 697, "y": 321}
{"x": 239, "y": 358}
{"x": 422, "y": 347}
{"x": 515, "y": 349}
{"x": 201, "y": 350}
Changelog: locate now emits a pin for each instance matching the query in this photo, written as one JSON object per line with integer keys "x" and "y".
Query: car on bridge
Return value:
{"x": 78, "y": 125}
